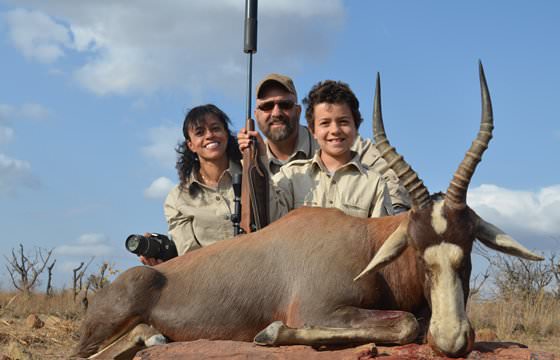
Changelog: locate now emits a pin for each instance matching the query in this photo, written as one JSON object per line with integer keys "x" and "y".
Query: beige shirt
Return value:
{"x": 306, "y": 147}
{"x": 199, "y": 215}
{"x": 353, "y": 188}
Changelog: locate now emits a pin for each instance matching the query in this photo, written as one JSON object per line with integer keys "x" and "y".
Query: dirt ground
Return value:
{"x": 53, "y": 340}
{"x": 56, "y": 338}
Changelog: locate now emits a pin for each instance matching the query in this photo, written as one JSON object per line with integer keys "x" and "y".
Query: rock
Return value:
{"x": 34, "y": 322}
{"x": 225, "y": 349}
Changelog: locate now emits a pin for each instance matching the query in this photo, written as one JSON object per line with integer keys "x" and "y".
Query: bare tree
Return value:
{"x": 98, "y": 281}
{"x": 77, "y": 277}
{"x": 515, "y": 277}
{"x": 49, "y": 281}
{"x": 555, "y": 270}
{"x": 477, "y": 282}
{"x": 24, "y": 270}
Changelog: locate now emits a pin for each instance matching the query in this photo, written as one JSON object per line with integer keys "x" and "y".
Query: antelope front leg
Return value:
{"x": 127, "y": 346}
{"x": 381, "y": 327}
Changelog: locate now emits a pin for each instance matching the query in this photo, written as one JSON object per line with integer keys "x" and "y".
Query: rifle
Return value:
{"x": 254, "y": 182}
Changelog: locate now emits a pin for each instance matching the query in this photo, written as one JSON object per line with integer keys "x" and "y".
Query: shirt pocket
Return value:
{"x": 355, "y": 210}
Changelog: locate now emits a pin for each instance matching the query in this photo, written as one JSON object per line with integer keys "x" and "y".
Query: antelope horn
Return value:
{"x": 457, "y": 190}
{"x": 409, "y": 178}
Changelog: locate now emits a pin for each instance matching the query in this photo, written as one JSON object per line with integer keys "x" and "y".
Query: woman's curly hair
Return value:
{"x": 187, "y": 161}
{"x": 331, "y": 92}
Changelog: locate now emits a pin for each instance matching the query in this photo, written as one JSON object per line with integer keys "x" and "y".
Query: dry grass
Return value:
{"x": 61, "y": 304}
{"x": 534, "y": 321}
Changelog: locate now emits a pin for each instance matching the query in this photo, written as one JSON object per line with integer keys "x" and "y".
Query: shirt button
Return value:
{"x": 330, "y": 202}
{"x": 226, "y": 217}
{"x": 217, "y": 198}
{"x": 334, "y": 181}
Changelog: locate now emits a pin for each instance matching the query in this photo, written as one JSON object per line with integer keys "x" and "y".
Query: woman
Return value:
{"x": 198, "y": 210}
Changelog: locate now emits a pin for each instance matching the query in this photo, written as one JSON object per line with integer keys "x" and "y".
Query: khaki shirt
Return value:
{"x": 306, "y": 147}
{"x": 353, "y": 188}
{"x": 199, "y": 215}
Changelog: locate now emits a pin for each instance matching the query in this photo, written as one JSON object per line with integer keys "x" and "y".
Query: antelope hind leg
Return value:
{"x": 380, "y": 327}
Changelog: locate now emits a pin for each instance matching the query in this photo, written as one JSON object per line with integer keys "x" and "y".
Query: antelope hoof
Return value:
{"x": 269, "y": 336}
{"x": 156, "y": 340}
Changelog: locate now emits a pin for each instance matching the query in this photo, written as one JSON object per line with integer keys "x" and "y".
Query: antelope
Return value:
{"x": 320, "y": 277}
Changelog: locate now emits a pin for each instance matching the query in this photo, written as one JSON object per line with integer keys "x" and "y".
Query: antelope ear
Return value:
{"x": 389, "y": 251}
{"x": 498, "y": 240}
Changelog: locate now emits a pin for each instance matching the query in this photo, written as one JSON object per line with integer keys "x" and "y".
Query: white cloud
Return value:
{"x": 533, "y": 217}
{"x": 6, "y": 134}
{"x": 36, "y": 35}
{"x": 15, "y": 174}
{"x": 142, "y": 46}
{"x": 159, "y": 188}
{"x": 33, "y": 111}
{"x": 87, "y": 245}
{"x": 27, "y": 111}
{"x": 162, "y": 142}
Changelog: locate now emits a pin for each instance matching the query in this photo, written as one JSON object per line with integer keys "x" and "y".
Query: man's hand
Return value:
{"x": 244, "y": 140}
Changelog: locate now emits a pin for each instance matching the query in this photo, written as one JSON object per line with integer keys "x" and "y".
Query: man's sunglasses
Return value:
{"x": 282, "y": 104}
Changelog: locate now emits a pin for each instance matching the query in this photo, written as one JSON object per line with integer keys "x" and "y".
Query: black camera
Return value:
{"x": 156, "y": 246}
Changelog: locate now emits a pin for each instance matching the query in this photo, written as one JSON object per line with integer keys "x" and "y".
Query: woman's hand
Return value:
{"x": 150, "y": 261}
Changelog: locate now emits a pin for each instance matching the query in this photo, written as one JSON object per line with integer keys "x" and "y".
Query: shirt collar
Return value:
{"x": 353, "y": 164}
{"x": 234, "y": 168}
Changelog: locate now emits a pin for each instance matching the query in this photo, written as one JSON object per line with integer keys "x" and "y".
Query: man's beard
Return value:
{"x": 280, "y": 134}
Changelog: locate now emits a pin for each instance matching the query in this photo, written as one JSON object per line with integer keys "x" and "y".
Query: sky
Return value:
{"x": 93, "y": 95}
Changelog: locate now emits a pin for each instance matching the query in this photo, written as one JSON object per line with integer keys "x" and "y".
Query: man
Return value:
{"x": 277, "y": 114}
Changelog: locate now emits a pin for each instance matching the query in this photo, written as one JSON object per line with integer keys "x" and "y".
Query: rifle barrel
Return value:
{"x": 250, "y": 47}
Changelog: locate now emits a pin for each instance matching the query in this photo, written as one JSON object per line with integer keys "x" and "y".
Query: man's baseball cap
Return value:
{"x": 282, "y": 80}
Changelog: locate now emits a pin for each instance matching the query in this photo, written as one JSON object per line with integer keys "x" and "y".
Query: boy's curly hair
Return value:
{"x": 331, "y": 92}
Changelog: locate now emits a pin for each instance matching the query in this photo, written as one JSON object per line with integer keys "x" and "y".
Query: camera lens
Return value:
{"x": 141, "y": 245}
{"x": 133, "y": 243}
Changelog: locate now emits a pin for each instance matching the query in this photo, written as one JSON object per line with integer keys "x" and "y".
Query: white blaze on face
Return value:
{"x": 439, "y": 222}
{"x": 449, "y": 325}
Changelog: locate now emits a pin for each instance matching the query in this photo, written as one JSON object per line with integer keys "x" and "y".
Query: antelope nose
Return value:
{"x": 452, "y": 345}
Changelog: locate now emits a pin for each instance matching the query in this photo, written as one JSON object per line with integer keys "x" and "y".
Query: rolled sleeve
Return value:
{"x": 180, "y": 225}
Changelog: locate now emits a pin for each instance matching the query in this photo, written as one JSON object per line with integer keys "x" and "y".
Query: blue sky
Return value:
{"x": 93, "y": 94}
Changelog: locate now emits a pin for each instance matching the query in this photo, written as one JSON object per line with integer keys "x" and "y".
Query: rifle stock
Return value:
{"x": 254, "y": 188}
